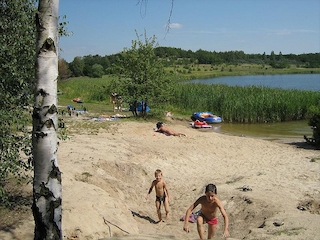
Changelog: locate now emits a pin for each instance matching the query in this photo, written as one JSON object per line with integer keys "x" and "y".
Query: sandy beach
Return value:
{"x": 106, "y": 177}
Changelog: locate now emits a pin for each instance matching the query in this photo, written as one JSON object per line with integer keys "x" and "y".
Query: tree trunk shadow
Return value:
{"x": 135, "y": 214}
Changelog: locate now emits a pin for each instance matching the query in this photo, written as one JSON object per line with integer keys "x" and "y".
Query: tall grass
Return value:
{"x": 94, "y": 92}
{"x": 233, "y": 103}
{"x": 246, "y": 104}
{"x": 86, "y": 88}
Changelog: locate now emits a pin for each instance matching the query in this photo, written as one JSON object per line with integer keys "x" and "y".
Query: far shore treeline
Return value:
{"x": 189, "y": 61}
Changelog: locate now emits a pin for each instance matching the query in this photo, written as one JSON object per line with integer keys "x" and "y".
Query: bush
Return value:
{"x": 97, "y": 71}
{"x": 314, "y": 122}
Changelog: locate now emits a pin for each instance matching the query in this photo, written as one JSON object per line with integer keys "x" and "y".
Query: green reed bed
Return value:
{"x": 246, "y": 104}
{"x": 88, "y": 89}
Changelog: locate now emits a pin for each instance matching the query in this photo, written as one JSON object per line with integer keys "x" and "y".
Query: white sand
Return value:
{"x": 107, "y": 176}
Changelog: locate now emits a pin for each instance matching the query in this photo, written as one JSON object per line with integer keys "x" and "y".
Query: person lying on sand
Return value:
{"x": 209, "y": 206}
{"x": 162, "y": 194}
{"x": 160, "y": 127}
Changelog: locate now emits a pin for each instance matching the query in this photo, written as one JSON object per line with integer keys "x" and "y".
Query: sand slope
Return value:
{"x": 107, "y": 176}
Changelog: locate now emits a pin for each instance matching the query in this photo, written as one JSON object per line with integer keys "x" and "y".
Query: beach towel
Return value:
{"x": 192, "y": 218}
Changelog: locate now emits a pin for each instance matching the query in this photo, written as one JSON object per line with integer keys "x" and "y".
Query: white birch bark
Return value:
{"x": 47, "y": 188}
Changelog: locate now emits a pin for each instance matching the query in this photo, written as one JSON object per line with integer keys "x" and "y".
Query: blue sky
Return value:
{"x": 105, "y": 27}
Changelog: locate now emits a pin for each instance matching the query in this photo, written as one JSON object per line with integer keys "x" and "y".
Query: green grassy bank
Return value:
{"x": 201, "y": 71}
{"x": 233, "y": 104}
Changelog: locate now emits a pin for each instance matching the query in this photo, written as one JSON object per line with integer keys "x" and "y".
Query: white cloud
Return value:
{"x": 175, "y": 25}
{"x": 289, "y": 32}
{"x": 307, "y": 31}
{"x": 283, "y": 32}
{"x": 278, "y": 32}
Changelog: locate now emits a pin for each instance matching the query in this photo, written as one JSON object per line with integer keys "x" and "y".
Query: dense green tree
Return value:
{"x": 97, "y": 71}
{"x": 310, "y": 60}
{"x": 272, "y": 56}
{"x": 264, "y": 56}
{"x": 141, "y": 74}
{"x": 280, "y": 57}
{"x": 17, "y": 57}
{"x": 77, "y": 66}
{"x": 204, "y": 57}
{"x": 64, "y": 71}
{"x": 314, "y": 122}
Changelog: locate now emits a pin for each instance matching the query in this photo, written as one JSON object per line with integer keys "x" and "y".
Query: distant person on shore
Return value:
{"x": 162, "y": 194}
{"x": 209, "y": 206}
{"x": 116, "y": 100}
{"x": 160, "y": 127}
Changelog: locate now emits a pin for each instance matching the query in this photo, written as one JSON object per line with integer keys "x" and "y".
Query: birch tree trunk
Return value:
{"x": 47, "y": 189}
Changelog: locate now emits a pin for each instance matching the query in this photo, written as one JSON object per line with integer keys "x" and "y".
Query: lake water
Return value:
{"x": 274, "y": 131}
{"x": 287, "y": 81}
{"x": 294, "y": 130}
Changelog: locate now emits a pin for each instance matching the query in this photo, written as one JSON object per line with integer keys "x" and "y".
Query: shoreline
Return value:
{"x": 273, "y": 136}
{"x": 296, "y": 71}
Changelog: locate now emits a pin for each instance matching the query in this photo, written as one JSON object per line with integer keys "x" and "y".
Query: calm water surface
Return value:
{"x": 272, "y": 131}
{"x": 287, "y": 81}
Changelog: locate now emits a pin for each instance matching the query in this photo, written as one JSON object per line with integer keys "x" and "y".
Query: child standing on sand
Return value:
{"x": 209, "y": 205}
{"x": 162, "y": 194}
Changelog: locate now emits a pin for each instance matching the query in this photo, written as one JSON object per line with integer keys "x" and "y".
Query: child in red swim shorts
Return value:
{"x": 209, "y": 205}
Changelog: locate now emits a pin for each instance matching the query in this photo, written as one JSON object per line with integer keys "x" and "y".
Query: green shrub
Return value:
{"x": 314, "y": 122}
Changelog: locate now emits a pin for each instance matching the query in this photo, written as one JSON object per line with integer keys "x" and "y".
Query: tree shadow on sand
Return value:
{"x": 12, "y": 215}
{"x": 303, "y": 145}
{"x": 135, "y": 214}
